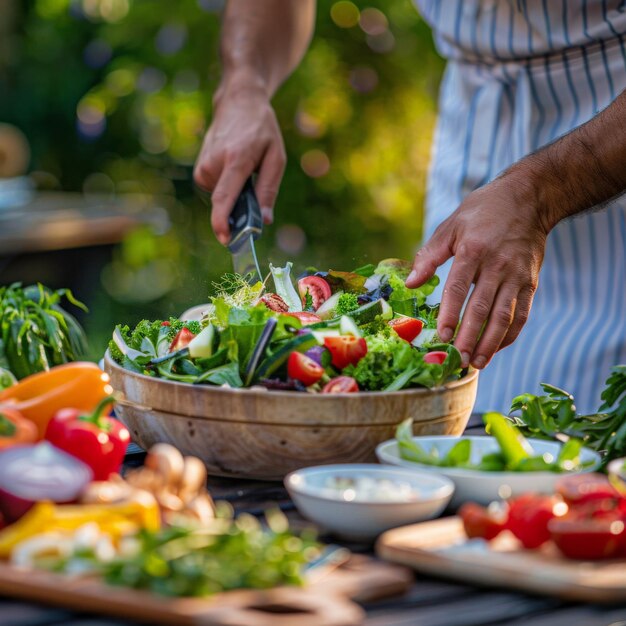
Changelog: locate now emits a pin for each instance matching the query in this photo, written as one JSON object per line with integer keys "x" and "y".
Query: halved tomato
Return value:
{"x": 438, "y": 357}
{"x": 301, "y": 367}
{"x": 345, "y": 350}
{"x": 407, "y": 327}
{"x": 341, "y": 384}
{"x": 305, "y": 317}
{"x": 529, "y": 516}
{"x": 317, "y": 288}
{"x": 480, "y": 522}
{"x": 181, "y": 340}
{"x": 588, "y": 538}
{"x": 584, "y": 488}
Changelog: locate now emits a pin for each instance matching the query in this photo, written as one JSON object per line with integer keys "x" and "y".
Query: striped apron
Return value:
{"x": 521, "y": 73}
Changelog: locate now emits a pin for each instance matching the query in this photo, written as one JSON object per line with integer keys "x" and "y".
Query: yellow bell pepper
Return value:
{"x": 115, "y": 519}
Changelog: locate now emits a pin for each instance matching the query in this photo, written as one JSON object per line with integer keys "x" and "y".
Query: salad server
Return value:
{"x": 246, "y": 225}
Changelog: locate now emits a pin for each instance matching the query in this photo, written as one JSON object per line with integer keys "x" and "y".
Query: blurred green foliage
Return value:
{"x": 117, "y": 94}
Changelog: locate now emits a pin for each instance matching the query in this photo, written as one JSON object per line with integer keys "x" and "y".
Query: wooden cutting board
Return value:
{"x": 326, "y": 601}
{"x": 440, "y": 547}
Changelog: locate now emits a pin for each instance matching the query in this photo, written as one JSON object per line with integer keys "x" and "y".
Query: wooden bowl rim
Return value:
{"x": 262, "y": 392}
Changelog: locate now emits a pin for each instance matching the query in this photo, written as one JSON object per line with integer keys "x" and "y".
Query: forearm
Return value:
{"x": 263, "y": 41}
{"x": 579, "y": 171}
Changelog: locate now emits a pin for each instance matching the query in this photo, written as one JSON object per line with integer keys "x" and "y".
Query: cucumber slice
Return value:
{"x": 426, "y": 337}
{"x": 387, "y": 313}
{"x": 327, "y": 310}
{"x": 320, "y": 335}
{"x": 348, "y": 326}
{"x": 201, "y": 346}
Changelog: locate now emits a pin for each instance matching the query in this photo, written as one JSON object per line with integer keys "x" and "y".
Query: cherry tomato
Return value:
{"x": 341, "y": 384}
{"x": 479, "y": 522}
{"x": 578, "y": 538}
{"x": 583, "y": 488}
{"x": 302, "y": 368}
{"x": 182, "y": 340}
{"x": 306, "y": 318}
{"x": 345, "y": 350}
{"x": 437, "y": 357}
{"x": 166, "y": 323}
{"x": 407, "y": 327}
{"x": 529, "y": 516}
{"x": 318, "y": 289}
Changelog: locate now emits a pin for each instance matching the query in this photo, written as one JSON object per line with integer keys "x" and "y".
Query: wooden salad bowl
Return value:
{"x": 262, "y": 434}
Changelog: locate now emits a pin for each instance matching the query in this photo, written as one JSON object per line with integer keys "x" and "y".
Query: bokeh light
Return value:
{"x": 383, "y": 43}
{"x": 170, "y": 39}
{"x": 345, "y": 14}
{"x": 151, "y": 80}
{"x": 291, "y": 239}
{"x": 97, "y": 53}
{"x": 309, "y": 125}
{"x": 315, "y": 163}
{"x": 373, "y": 21}
{"x": 364, "y": 79}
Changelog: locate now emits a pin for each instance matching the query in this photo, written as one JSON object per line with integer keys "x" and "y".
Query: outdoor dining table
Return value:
{"x": 430, "y": 601}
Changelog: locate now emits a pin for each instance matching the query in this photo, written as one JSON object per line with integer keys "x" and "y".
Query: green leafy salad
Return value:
{"x": 331, "y": 332}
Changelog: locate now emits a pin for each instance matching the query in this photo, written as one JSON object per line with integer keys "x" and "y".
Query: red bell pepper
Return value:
{"x": 98, "y": 440}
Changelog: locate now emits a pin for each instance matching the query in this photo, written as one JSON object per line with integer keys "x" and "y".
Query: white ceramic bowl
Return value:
{"x": 484, "y": 487}
{"x": 364, "y": 519}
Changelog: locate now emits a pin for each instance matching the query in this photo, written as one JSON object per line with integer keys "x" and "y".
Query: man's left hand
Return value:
{"x": 497, "y": 239}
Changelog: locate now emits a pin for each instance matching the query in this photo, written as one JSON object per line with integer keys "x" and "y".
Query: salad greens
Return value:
{"x": 553, "y": 416}
{"x": 335, "y": 325}
{"x": 515, "y": 454}
{"x": 35, "y": 331}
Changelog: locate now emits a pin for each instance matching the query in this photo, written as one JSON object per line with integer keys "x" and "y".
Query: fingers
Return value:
{"x": 476, "y": 314}
{"x": 434, "y": 253}
{"x": 268, "y": 181}
{"x": 498, "y": 325}
{"x": 455, "y": 292}
{"x": 234, "y": 174}
{"x": 522, "y": 310}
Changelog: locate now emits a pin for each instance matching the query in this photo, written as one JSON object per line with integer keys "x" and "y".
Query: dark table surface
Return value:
{"x": 430, "y": 602}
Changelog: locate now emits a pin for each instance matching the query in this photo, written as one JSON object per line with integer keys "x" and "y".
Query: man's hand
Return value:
{"x": 498, "y": 235}
{"x": 244, "y": 137}
{"x": 262, "y": 43}
{"x": 497, "y": 240}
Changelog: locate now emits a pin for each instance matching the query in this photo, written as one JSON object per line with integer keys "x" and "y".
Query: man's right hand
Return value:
{"x": 244, "y": 137}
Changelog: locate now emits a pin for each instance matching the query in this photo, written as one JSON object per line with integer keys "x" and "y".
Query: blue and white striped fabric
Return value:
{"x": 521, "y": 73}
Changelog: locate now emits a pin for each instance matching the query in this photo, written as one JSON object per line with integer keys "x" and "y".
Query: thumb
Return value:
{"x": 435, "y": 252}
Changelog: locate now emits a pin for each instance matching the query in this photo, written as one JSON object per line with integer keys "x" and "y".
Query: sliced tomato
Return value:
{"x": 306, "y": 370}
{"x": 341, "y": 384}
{"x": 181, "y": 340}
{"x": 317, "y": 288}
{"x": 306, "y": 318}
{"x": 438, "y": 357}
{"x": 479, "y": 522}
{"x": 588, "y": 539}
{"x": 407, "y": 327}
{"x": 529, "y": 516}
{"x": 345, "y": 350}
{"x": 584, "y": 488}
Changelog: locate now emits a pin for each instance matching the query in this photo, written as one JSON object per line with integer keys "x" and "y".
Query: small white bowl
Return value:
{"x": 362, "y": 519}
{"x": 479, "y": 486}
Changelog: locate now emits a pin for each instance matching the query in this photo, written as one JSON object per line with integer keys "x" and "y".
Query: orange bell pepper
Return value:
{"x": 15, "y": 429}
{"x": 79, "y": 385}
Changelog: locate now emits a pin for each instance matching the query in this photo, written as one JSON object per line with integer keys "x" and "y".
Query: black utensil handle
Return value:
{"x": 246, "y": 214}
